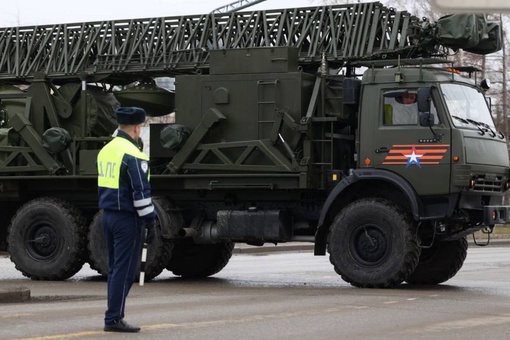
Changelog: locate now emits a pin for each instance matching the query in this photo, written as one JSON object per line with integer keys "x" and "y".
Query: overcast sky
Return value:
{"x": 41, "y": 12}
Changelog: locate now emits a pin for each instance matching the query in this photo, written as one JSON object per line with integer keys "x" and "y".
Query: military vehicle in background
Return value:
{"x": 278, "y": 138}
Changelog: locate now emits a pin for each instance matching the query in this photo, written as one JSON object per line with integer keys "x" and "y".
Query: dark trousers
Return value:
{"x": 122, "y": 232}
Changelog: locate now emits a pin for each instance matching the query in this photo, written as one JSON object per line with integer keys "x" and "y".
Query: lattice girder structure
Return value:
{"x": 110, "y": 50}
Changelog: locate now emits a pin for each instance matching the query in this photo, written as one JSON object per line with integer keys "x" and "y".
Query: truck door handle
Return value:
{"x": 382, "y": 149}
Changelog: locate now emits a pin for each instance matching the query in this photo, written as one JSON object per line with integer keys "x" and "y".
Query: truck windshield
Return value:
{"x": 467, "y": 106}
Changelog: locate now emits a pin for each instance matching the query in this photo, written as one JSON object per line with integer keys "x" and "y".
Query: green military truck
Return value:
{"x": 288, "y": 128}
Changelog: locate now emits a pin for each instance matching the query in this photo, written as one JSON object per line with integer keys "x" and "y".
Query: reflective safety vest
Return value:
{"x": 123, "y": 177}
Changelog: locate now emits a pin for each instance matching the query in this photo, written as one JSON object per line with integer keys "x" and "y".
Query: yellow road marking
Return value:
{"x": 66, "y": 336}
{"x": 18, "y": 315}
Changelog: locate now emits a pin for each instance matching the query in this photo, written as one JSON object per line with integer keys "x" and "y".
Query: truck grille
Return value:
{"x": 488, "y": 183}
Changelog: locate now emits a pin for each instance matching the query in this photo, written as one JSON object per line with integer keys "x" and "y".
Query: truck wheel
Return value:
{"x": 440, "y": 262}
{"x": 47, "y": 239}
{"x": 98, "y": 258}
{"x": 193, "y": 260}
{"x": 158, "y": 252}
{"x": 373, "y": 244}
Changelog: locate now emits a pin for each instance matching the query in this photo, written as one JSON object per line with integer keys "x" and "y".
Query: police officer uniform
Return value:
{"x": 125, "y": 197}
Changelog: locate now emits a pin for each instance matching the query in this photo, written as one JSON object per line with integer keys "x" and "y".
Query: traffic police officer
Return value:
{"x": 125, "y": 197}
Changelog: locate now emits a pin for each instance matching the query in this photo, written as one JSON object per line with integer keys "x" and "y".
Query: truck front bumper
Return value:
{"x": 496, "y": 214}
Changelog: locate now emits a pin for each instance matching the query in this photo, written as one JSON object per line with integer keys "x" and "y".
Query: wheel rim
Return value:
{"x": 43, "y": 241}
{"x": 369, "y": 245}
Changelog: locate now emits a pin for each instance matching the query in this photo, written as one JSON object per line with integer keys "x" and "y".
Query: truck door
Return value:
{"x": 420, "y": 154}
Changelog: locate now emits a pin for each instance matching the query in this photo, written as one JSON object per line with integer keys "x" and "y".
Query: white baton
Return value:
{"x": 143, "y": 258}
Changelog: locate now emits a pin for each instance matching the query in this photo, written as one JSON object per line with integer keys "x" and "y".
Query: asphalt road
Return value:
{"x": 271, "y": 296}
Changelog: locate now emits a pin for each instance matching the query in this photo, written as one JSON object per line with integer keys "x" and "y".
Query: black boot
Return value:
{"x": 121, "y": 326}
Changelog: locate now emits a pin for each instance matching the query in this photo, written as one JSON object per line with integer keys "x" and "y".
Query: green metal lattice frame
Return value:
{"x": 108, "y": 50}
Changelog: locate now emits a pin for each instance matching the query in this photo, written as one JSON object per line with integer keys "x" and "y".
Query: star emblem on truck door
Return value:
{"x": 413, "y": 158}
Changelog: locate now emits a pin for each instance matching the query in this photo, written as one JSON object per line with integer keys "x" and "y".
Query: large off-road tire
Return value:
{"x": 158, "y": 252}
{"x": 191, "y": 260}
{"x": 440, "y": 262}
{"x": 47, "y": 239}
{"x": 373, "y": 244}
{"x": 97, "y": 253}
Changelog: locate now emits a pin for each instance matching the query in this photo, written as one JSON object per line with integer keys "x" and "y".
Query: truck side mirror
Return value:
{"x": 426, "y": 119}
{"x": 423, "y": 100}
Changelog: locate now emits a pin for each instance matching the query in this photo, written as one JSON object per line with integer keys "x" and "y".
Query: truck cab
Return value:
{"x": 450, "y": 152}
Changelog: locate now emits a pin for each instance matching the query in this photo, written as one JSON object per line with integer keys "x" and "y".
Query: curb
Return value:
{"x": 18, "y": 294}
{"x": 267, "y": 249}
{"x": 309, "y": 247}
{"x": 494, "y": 242}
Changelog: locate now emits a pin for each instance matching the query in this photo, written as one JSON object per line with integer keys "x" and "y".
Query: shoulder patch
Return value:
{"x": 145, "y": 166}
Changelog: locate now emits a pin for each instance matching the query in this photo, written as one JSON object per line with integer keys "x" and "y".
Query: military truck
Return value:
{"x": 286, "y": 130}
